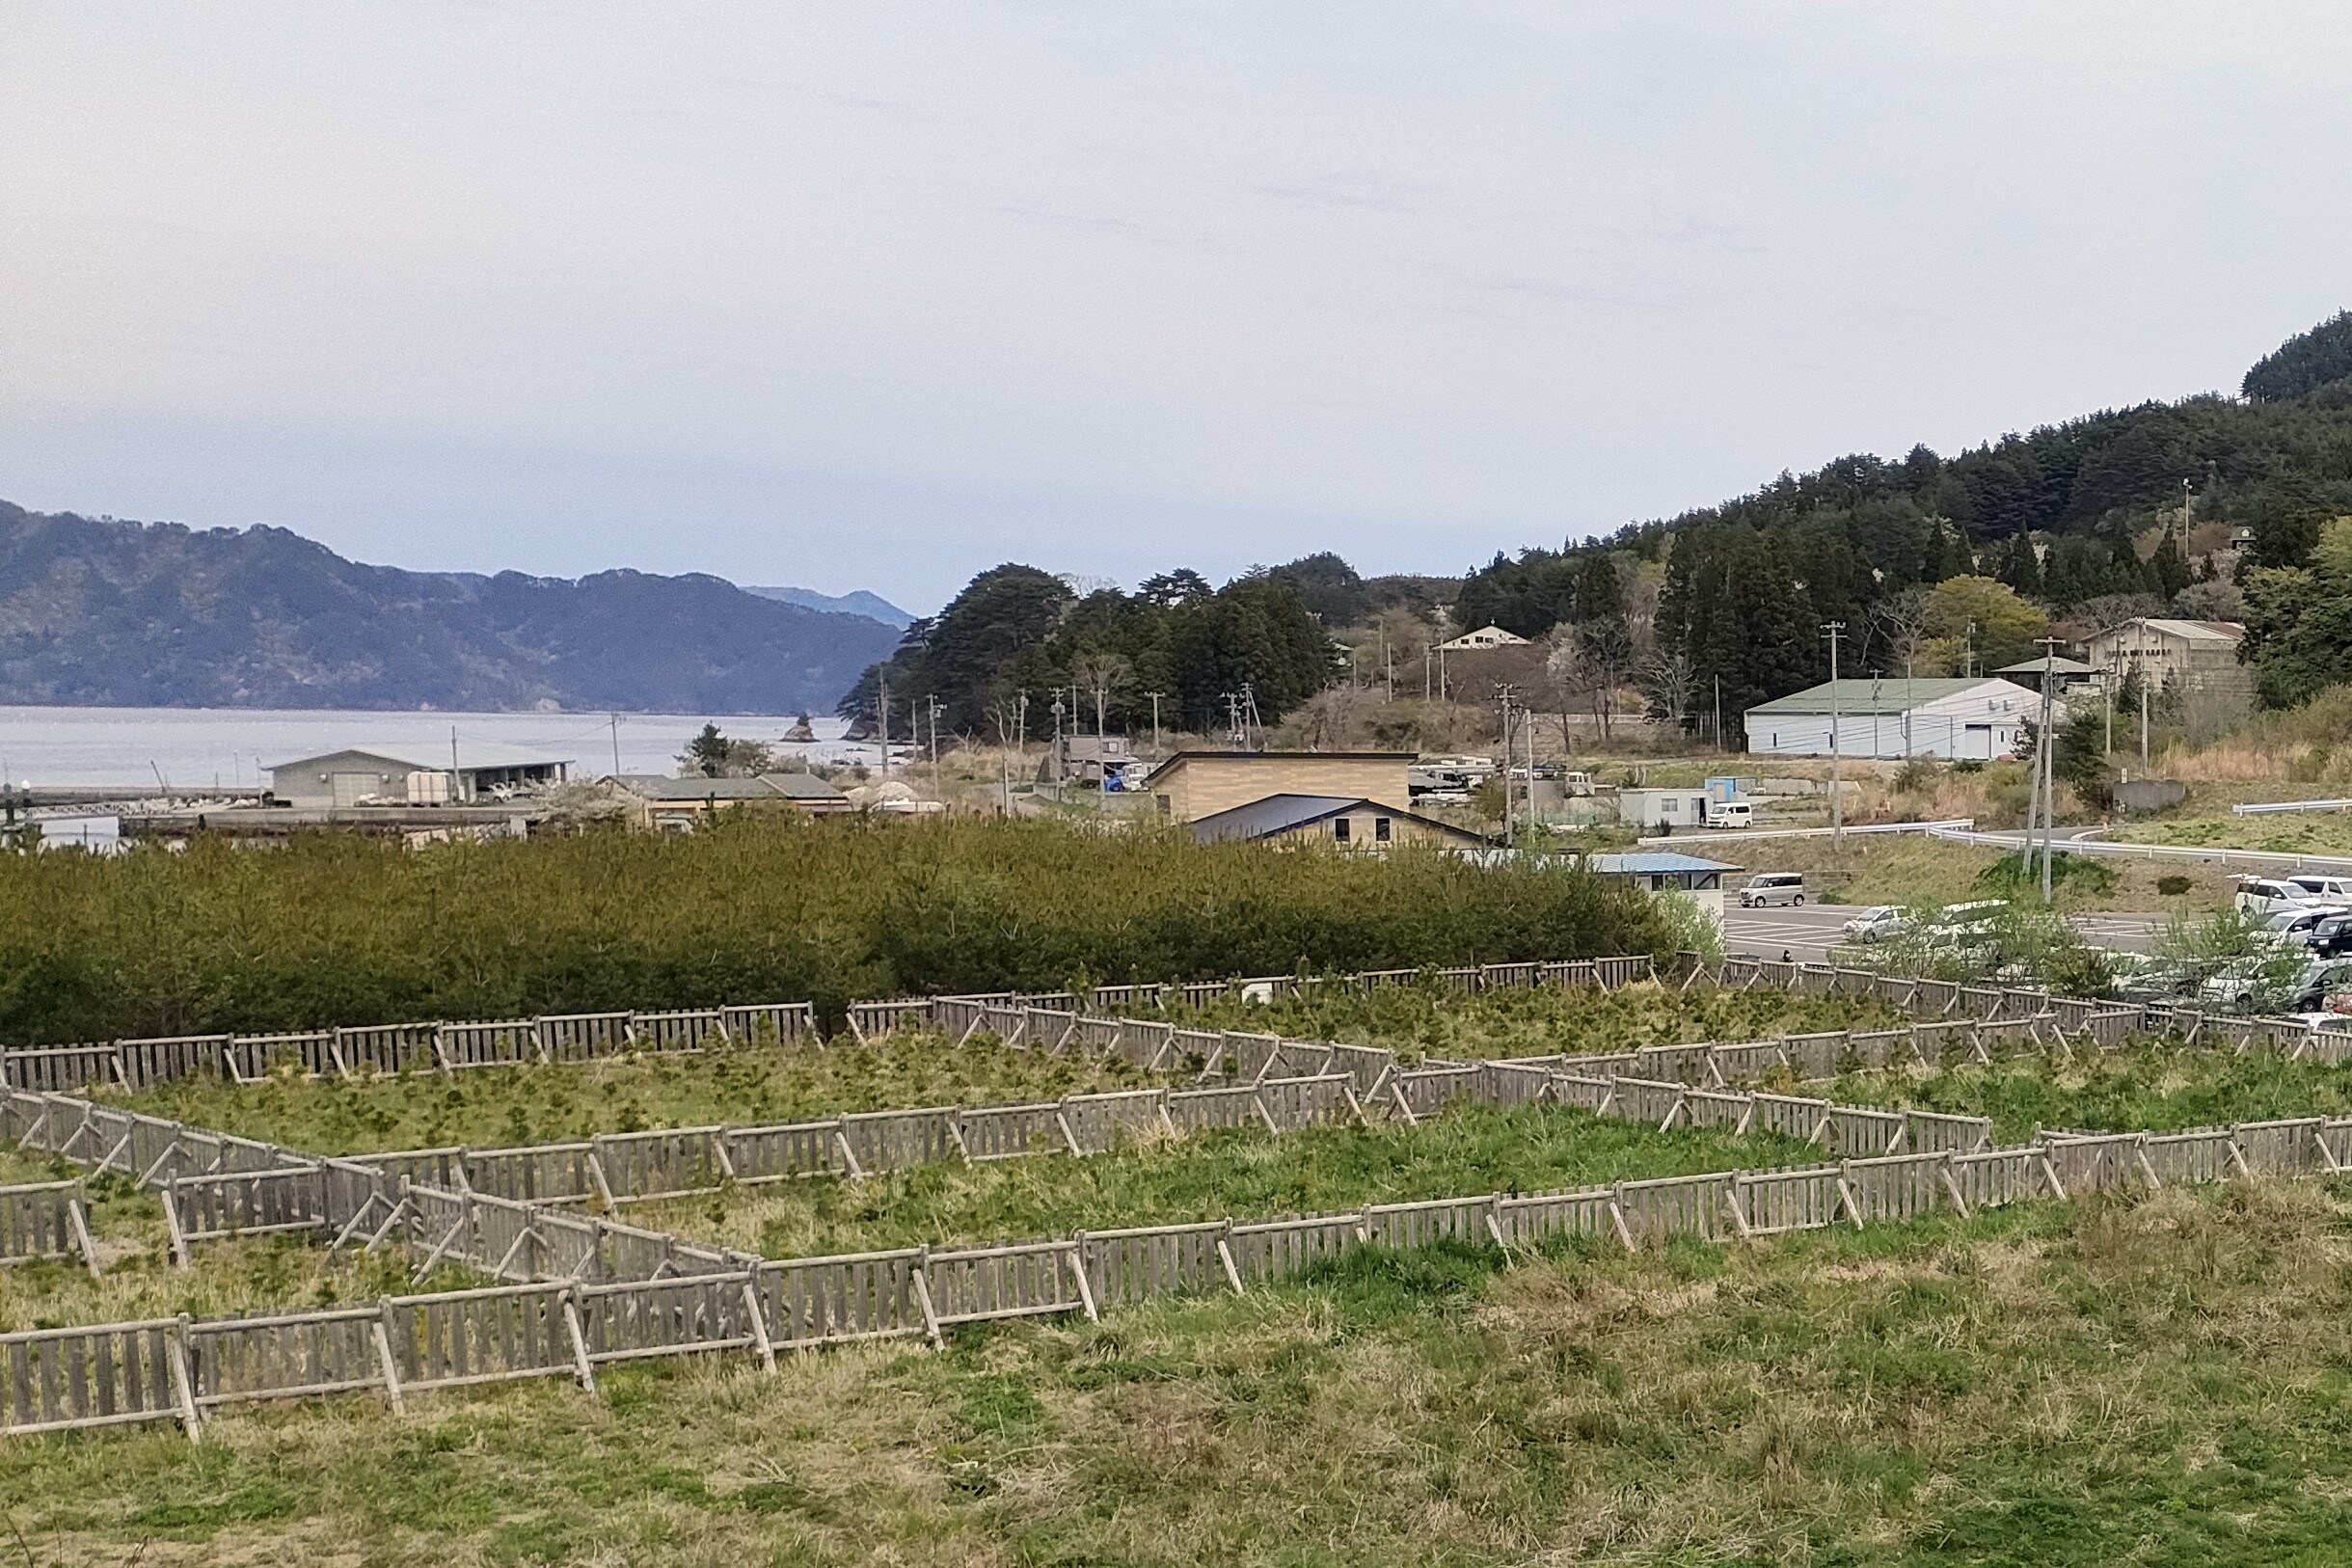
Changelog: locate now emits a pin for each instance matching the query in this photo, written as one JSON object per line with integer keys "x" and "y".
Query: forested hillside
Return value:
{"x": 97, "y": 612}
{"x": 2165, "y": 507}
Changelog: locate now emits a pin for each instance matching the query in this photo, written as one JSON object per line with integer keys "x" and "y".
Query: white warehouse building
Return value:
{"x": 1981, "y": 717}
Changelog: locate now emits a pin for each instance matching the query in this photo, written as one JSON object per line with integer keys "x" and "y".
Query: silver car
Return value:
{"x": 1773, "y": 887}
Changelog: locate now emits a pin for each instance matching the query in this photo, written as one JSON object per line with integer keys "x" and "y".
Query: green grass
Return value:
{"x": 2318, "y": 833}
{"x": 1241, "y": 1173}
{"x": 1538, "y": 1023}
{"x": 494, "y": 1107}
{"x": 2146, "y": 1084}
{"x": 539, "y": 1104}
{"x": 2160, "y": 1381}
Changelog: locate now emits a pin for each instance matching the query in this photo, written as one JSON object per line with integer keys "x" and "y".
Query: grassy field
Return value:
{"x": 533, "y": 1104}
{"x": 2316, "y": 833}
{"x": 1537, "y": 1022}
{"x": 491, "y": 1106}
{"x": 2160, "y": 1381}
{"x": 2147, "y": 1085}
{"x": 1241, "y": 1173}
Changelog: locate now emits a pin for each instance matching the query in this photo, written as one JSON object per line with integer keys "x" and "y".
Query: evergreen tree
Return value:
{"x": 2021, "y": 566}
{"x": 2168, "y": 568}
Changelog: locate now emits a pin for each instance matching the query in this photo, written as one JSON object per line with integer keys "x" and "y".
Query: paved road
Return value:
{"x": 1808, "y": 931}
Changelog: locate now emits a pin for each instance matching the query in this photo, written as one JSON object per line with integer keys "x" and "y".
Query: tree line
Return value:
{"x": 1016, "y": 640}
{"x": 1929, "y": 565}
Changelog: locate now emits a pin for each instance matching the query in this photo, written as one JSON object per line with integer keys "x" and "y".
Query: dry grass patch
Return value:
{"x": 2154, "y": 1381}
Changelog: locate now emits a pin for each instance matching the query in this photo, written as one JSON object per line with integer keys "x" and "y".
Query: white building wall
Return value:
{"x": 1663, "y": 808}
{"x": 1966, "y": 724}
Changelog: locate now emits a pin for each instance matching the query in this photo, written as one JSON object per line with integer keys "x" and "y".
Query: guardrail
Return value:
{"x": 2260, "y": 808}
{"x": 2148, "y": 852}
{"x": 1734, "y": 836}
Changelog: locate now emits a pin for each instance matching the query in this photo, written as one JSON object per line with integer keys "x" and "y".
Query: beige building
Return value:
{"x": 402, "y": 775}
{"x": 1195, "y": 784}
{"x": 2191, "y": 655}
{"x": 1350, "y": 823}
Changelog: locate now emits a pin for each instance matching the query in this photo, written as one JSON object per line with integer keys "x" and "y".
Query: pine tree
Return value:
{"x": 2169, "y": 566}
{"x": 2021, "y": 565}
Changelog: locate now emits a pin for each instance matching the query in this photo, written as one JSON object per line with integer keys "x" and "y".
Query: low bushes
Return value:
{"x": 336, "y": 929}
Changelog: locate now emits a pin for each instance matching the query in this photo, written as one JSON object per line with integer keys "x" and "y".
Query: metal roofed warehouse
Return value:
{"x": 1950, "y": 717}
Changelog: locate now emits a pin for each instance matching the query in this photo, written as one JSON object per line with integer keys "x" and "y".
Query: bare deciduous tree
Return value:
{"x": 1897, "y": 627}
{"x": 1667, "y": 681}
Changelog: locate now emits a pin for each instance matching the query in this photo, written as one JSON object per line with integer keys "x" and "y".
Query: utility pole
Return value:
{"x": 1060, "y": 770}
{"x": 1425, "y": 671}
{"x": 1508, "y": 838}
{"x": 1837, "y": 796}
{"x": 1155, "y": 722}
{"x": 1969, "y": 652}
{"x": 2050, "y": 752}
{"x": 1387, "y": 660}
{"x": 882, "y": 709}
{"x": 1719, "y": 716}
{"x": 616, "y": 746}
{"x": 935, "y": 706}
{"x": 2139, "y": 662}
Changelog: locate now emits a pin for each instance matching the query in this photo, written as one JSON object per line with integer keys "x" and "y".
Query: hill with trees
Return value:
{"x": 104, "y": 612}
{"x": 1018, "y": 631}
{"x": 2179, "y": 508}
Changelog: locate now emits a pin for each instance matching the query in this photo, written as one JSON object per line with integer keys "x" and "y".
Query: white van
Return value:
{"x": 1730, "y": 814}
{"x": 2323, "y": 886}
{"x": 1772, "y": 887}
{"x": 2259, "y": 897}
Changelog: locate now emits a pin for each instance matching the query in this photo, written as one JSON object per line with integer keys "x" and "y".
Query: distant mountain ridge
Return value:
{"x": 857, "y": 602}
{"x": 96, "y": 612}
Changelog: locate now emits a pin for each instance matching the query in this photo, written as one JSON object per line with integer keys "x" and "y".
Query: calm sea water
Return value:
{"x": 234, "y": 747}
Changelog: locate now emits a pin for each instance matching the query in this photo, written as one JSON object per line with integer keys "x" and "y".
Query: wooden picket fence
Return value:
{"x": 453, "y": 1046}
{"x": 582, "y": 1290}
{"x": 183, "y": 1370}
{"x": 47, "y": 1218}
{"x": 131, "y": 1064}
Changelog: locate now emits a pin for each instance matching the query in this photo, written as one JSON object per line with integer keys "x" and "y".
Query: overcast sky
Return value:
{"x": 878, "y": 295}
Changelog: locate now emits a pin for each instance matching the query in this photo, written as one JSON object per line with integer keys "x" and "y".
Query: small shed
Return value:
{"x": 1665, "y": 872}
{"x": 2065, "y": 674}
{"x": 1663, "y": 808}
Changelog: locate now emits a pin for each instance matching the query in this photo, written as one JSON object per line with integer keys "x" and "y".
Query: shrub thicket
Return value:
{"x": 336, "y": 929}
